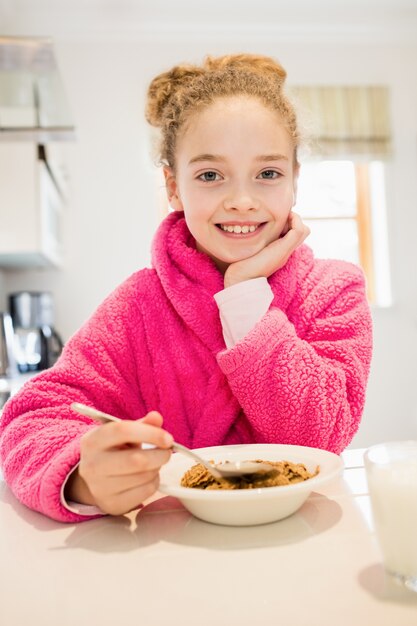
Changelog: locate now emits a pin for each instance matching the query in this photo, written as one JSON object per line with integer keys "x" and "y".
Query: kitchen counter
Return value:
{"x": 160, "y": 566}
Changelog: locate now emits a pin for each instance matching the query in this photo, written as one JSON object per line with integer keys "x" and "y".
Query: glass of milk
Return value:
{"x": 391, "y": 471}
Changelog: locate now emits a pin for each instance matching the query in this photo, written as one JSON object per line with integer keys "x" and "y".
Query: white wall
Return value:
{"x": 114, "y": 208}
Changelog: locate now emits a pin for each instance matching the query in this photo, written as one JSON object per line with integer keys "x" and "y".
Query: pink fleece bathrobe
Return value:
{"x": 156, "y": 343}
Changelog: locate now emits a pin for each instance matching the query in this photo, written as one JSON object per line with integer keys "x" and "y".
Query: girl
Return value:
{"x": 236, "y": 335}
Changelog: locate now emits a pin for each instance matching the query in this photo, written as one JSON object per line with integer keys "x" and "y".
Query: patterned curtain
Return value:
{"x": 345, "y": 122}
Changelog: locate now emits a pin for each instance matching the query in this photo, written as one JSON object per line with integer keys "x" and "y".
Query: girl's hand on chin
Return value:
{"x": 272, "y": 257}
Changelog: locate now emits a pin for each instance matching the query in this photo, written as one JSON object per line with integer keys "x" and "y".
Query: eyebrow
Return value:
{"x": 216, "y": 157}
{"x": 206, "y": 157}
{"x": 271, "y": 157}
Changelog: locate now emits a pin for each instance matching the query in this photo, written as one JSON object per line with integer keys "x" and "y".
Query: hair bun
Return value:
{"x": 176, "y": 95}
{"x": 163, "y": 87}
{"x": 255, "y": 63}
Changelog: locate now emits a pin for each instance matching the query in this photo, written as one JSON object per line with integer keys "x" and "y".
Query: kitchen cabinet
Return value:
{"x": 32, "y": 202}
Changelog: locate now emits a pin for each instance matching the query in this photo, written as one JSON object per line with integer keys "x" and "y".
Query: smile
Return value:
{"x": 239, "y": 229}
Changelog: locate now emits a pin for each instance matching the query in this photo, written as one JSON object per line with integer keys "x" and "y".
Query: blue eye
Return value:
{"x": 208, "y": 177}
{"x": 269, "y": 174}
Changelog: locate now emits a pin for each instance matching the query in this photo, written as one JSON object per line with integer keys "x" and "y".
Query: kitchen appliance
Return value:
{"x": 7, "y": 360}
{"x": 37, "y": 345}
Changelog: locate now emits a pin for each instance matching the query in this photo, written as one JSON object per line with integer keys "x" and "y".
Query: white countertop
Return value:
{"x": 160, "y": 566}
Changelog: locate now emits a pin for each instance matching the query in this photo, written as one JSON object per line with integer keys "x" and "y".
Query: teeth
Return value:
{"x": 238, "y": 229}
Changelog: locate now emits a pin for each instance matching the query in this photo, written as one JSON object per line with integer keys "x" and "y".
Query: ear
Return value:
{"x": 172, "y": 190}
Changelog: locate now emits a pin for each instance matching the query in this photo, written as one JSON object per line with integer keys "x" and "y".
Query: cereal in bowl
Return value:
{"x": 282, "y": 473}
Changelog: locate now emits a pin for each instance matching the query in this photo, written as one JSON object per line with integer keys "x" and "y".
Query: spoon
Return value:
{"x": 227, "y": 469}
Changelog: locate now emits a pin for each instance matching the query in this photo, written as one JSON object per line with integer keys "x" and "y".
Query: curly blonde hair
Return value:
{"x": 176, "y": 95}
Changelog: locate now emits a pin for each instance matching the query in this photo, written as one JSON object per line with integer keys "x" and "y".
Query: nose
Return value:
{"x": 240, "y": 199}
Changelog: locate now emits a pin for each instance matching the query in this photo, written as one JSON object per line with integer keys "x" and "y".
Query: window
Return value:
{"x": 343, "y": 203}
{"x": 341, "y": 187}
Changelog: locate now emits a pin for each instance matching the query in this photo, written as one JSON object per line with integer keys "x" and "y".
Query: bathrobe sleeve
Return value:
{"x": 303, "y": 380}
{"x": 39, "y": 432}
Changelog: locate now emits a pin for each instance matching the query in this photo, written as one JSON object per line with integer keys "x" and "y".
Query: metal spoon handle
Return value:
{"x": 95, "y": 414}
{"x": 102, "y": 417}
{"x": 179, "y": 448}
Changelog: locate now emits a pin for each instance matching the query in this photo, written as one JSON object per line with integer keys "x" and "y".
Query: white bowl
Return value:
{"x": 247, "y": 507}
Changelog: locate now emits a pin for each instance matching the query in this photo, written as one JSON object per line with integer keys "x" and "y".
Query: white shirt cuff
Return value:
{"x": 77, "y": 507}
{"x": 241, "y": 306}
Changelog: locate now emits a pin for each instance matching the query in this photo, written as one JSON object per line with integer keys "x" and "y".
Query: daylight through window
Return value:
{"x": 343, "y": 203}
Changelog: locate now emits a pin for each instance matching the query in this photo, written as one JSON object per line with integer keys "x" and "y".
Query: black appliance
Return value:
{"x": 37, "y": 345}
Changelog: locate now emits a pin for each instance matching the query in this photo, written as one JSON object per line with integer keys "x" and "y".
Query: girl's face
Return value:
{"x": 235, "y": 178}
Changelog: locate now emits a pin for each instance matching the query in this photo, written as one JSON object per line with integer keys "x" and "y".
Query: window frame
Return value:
{"x": 362, "y": 218}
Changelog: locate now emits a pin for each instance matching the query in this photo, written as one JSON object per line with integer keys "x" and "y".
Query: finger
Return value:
{"x": 121, "y": 503}
{"x": 119, "y": 484}
{"x": 277, "y": 253}
{"x": 153, "y": 418}
{"x": 296, "y": 235}
{"x": 287, "y": 226}
{"x": 297, "y": 225}
{"x": 136, "y": 482}
{"x": 116, "y": 434}
{"x": 110, "y": 486}
{"x": 295, "y": 222}
{"x": 131, "y": 461}
{"x": 292, "y": 240}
